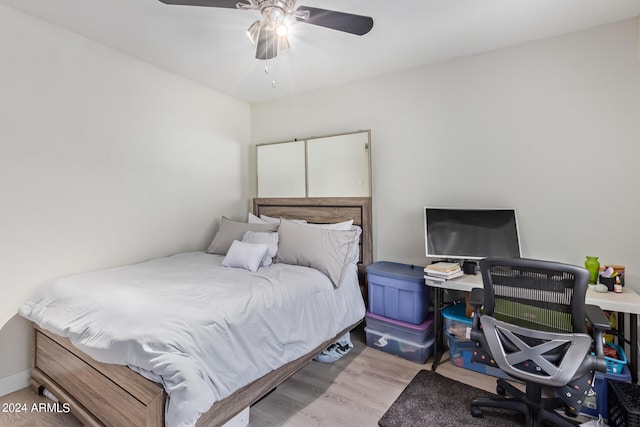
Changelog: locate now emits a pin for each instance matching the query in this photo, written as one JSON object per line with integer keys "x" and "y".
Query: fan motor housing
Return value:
{"x": 275, "y": 10}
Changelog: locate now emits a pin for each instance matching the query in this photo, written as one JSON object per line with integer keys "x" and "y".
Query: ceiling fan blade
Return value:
{"x": 267, "y": 46}
{"x": 230, "y": 4}
{"x": 341, "y": 21}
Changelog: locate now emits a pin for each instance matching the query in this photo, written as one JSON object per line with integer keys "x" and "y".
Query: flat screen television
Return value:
{"x": 471, "y": 234}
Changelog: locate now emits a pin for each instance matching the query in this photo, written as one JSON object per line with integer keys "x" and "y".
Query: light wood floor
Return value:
{"x": 354, "y": 391}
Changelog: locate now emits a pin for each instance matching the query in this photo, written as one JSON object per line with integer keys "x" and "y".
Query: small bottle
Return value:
{"x": 617, "y": 286}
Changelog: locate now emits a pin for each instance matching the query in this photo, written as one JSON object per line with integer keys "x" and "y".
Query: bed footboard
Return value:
{"x": 99, "y": 394}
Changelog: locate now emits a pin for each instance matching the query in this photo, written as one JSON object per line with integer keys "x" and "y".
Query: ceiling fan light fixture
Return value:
{"x": 274, "y": 10}
{"x": 267, "y": 44}
{"x": 253, "y": 31}
{"x": 283, "y": 43}
{"x": 282, "y": 30}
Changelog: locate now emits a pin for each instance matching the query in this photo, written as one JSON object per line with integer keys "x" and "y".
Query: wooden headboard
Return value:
{"x": 324, "y": 210}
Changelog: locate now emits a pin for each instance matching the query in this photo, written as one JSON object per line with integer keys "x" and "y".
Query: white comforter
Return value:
{"x": 200, "y": 329}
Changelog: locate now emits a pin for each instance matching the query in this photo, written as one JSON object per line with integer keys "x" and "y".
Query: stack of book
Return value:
{"x": 442, "y": 271}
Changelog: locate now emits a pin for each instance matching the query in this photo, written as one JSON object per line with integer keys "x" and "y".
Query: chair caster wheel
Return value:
{"x": 476, "y": 412}
{"x": 500, "y": 390}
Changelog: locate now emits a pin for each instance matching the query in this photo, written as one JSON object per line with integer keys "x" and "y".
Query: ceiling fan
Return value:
{"x": 270, "y": 34}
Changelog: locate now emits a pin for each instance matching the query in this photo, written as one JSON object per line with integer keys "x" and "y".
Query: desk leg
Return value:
{"x": 633, "y": 362}
{"x": 438, "y": 344}
{"x": 621, "y": 331}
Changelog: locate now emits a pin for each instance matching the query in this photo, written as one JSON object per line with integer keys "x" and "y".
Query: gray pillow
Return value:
{"x": 232, "y": 230}
{"x": 326, "y": 250}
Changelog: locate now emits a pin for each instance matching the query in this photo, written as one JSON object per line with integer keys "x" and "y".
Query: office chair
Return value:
{"x": 534, "y": 328}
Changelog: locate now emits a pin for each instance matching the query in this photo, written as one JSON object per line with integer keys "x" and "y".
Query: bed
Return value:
{"x": 113, "y": 394}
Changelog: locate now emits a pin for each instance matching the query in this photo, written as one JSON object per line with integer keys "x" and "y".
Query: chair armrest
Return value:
{"x": 476, "y": 299}
{"x": 596, "y": 317}
{"x": 600, "y": 323}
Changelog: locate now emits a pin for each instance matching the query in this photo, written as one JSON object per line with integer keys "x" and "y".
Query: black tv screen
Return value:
{"x": 471, "y": 233}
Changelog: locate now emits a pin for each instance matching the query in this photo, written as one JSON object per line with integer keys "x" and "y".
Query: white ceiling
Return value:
{"x": 208, "y": 45}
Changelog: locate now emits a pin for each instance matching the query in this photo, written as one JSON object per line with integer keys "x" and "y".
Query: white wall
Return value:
{"x": 104, "y": 160}
{"x": 551, "y": 128}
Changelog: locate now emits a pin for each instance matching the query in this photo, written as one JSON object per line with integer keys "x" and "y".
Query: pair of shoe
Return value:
{"x": 336, "y": 350}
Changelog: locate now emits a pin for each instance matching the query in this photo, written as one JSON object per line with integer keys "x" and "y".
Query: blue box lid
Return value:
{"x": 396, "y": 270}
{"x": 456, "y": 312}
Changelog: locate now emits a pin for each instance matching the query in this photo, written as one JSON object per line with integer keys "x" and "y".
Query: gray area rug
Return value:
{"x": 433, "y": 400}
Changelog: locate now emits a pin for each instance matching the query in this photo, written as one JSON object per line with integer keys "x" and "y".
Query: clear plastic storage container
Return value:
{"x": 402, "y": 330}
{"x": 456, "y": 322}
{"x": 410, "y": 350}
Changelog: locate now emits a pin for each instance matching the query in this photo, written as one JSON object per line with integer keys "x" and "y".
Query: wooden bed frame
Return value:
{"x": 102, "y": 394}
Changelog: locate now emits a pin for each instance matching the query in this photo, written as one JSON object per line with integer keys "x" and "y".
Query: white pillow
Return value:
{"x": 265, "y": 218}
{"x": 252, "y": 219}
{"x": 245, "y": 255}
{"x": 268, "y": 238}
{"x": 345, "y": 225}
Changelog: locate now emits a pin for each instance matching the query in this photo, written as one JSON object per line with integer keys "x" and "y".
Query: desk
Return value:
{"x": 626, "y": 302}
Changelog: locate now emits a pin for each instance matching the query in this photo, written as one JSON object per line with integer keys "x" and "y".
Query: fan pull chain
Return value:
{"x": 273, "y": 82}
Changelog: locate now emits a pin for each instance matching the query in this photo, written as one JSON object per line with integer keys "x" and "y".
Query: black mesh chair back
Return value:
{"x": 535, "y": 294}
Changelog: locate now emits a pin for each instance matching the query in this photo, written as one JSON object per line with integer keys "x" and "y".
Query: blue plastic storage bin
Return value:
{"x": 461, "y": 352}
{"x": 596, "y": 401}
{"x": 398, "y": 291}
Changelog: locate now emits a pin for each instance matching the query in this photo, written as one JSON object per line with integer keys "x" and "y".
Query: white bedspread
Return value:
{"x": 200, "y": 329}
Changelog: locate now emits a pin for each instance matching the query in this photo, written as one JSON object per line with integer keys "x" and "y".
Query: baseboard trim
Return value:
{"x": 14, "y": 382}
